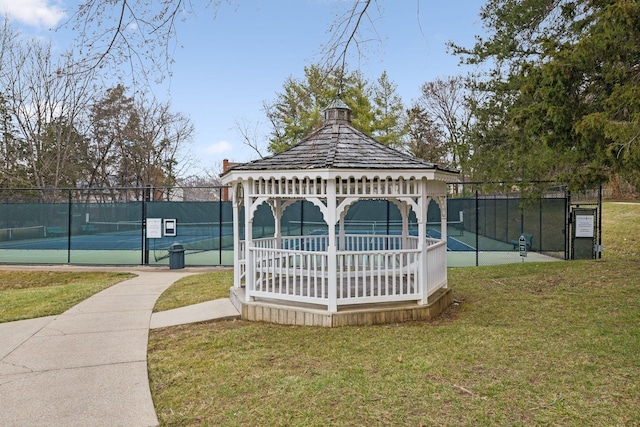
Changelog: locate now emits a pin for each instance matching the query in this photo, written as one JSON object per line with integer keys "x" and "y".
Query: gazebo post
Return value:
{"x": 423, "y": 272}
{"x": 332, "y": 252}
{"x": 442, "y": 204}
{"x": 237, "y": 271}
{"x": 250, "y": 276}
{"x": 277, "y": 216}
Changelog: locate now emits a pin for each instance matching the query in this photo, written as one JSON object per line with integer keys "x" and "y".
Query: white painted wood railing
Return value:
{"x": 377, "y": 276}
{"x": 242, "y": 265}
{"x": 436, "y": 265}
{"x": 292, "y": 275}
{"x": 370, "y": 269}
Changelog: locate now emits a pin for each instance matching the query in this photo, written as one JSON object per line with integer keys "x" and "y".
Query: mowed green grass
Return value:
{"x": 195, "y": 289}
{"x": 30, "y": 294}
{"x": 524, "y": 344}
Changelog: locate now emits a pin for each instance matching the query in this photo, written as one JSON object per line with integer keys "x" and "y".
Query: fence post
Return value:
{"x": 220, "y": 226}
{"x": 567, "y": 225}
{"x": 145, "y": 249}
{"x": 599, "y": 253}
{"x": 477, "y": 229}
{"x": 69, "y": 222}
{"x": 540, "y": 227}
{"x": 506, "y": 217}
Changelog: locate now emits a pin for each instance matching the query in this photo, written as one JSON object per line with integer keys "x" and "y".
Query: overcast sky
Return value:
{"x": 229, "y": 65}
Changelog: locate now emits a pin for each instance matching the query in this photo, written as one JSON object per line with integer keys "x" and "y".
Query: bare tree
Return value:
{"x": 12, "y": 171}
{"x": 113, "y": 125}
{"x": 136, "y": 142}
{"x": 162, "y": 137}
{"x": 444, "y": 101}
{"x": 48, "y": 109}
{"x": 425, "y": 139}
{"x": 348, "y": 31}
{"x": 205, "y": 186}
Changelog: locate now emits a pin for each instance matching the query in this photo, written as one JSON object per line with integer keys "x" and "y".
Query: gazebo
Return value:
{"x": 339, "y": 277}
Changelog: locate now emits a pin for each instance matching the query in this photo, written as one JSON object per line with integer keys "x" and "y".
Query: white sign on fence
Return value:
{"x": 154, "y": 228}
{"x": 584, "y": 225}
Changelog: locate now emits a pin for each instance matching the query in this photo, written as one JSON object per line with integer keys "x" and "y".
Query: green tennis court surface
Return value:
{"x": 111, "y": 236}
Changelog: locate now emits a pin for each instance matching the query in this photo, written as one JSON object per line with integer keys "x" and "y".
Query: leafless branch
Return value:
{"x": 249, "y": 135}
{"x": 140, "y": 33}
{"x": 346, "y": 33}
{"x": 143, "y": 33}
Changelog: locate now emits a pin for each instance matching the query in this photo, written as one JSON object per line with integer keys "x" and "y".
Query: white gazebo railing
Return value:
{"x": 370, "y": 269}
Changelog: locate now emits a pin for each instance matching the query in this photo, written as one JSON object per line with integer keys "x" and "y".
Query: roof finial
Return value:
{"x": 337, "y": 112}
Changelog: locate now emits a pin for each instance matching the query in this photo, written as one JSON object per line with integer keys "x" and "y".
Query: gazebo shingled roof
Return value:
{"x": 338, "y": 145}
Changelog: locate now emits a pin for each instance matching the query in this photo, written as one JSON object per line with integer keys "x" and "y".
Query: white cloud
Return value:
{"x": 37, "y": 13}
{"x": 219, "y": 148}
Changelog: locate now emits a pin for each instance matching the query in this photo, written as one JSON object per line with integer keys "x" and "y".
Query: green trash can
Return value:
{"x": 176, "y": 256}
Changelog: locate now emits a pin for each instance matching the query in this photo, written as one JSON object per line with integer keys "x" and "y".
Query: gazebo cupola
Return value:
{"x": 321, "y": 279}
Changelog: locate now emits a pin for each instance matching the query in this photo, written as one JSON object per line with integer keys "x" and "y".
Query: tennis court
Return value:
{"x": 112, "y": 242}
{"x": 110, "y": 236}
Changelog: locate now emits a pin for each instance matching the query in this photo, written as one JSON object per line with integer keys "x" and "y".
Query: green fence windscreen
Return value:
{"x": 98, "y": 226}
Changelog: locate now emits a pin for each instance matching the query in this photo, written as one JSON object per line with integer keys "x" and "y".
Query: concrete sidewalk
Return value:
{"x": 220, "y": 309}
{"x": 88, "y": 366}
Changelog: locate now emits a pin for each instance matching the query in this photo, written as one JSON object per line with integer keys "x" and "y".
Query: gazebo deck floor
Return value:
{"x": 303, "y": 314}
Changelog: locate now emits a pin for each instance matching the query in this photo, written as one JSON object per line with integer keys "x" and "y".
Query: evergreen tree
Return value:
{"x": 563, "y": 95}
{"x": 390, "y": 119}
{"x": 375, "y": 110}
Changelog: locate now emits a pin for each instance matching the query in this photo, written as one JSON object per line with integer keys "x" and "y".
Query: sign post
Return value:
{"x": 522, "y": 243}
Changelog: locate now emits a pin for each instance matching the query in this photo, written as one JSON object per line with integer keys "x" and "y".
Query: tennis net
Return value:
{"x": 22, "y": 233}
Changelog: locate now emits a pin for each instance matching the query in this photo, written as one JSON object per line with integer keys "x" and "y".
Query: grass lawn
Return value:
{"x": 525, "y": 344}
{"x": 30, "y": 294}
{"x": 195, "y": 289}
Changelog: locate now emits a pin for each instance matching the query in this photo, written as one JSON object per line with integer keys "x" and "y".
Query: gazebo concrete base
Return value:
{"x": 272, "y": 311}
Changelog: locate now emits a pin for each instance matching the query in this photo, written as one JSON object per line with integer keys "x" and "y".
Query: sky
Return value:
{"x": 229, "y": 64}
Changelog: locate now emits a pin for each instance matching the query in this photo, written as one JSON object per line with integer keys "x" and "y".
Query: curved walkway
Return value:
{"x": 87, "y": 366}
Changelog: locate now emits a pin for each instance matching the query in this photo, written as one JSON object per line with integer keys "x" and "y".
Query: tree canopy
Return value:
{"x": 376, "y": 108}
{"x": 562, "y": 95}
{"x": 556, "y": 97}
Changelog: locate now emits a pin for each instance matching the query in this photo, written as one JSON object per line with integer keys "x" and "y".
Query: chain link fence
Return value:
{"x": 108, "y": 226}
